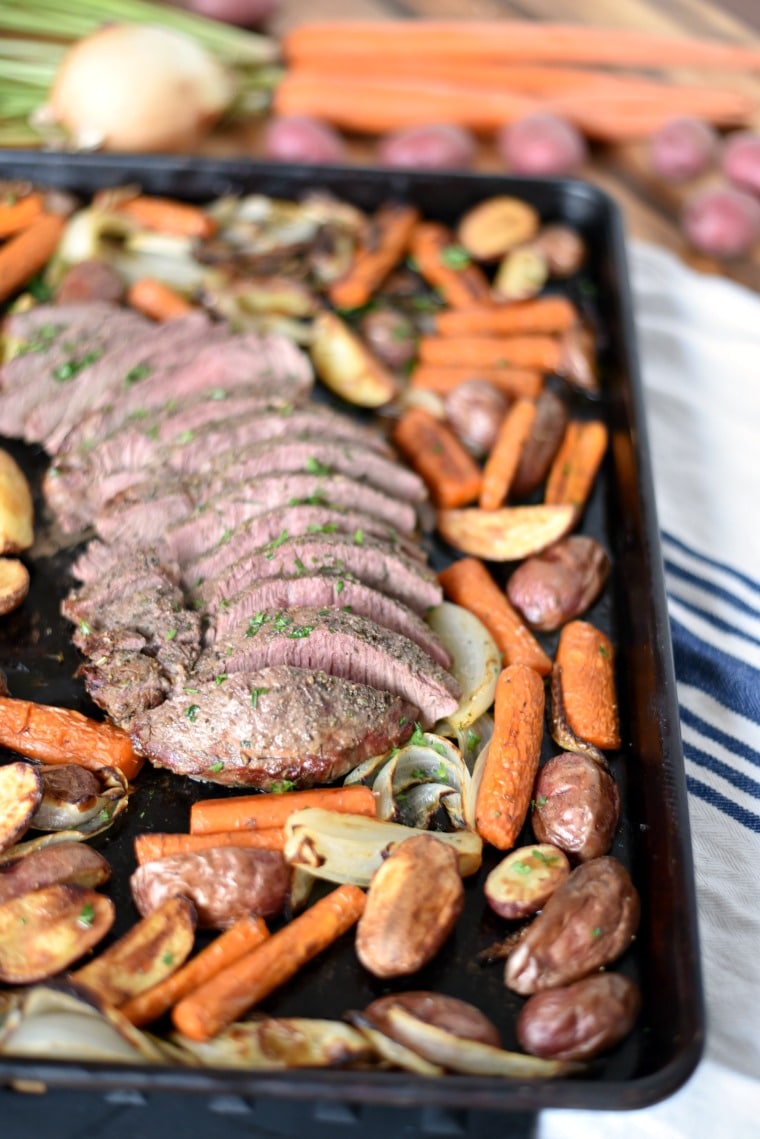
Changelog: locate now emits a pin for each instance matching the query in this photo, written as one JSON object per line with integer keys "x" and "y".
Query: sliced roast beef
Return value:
{"x": 341, "y": 644}
{"x": 323, "y": 591}
{"x": 125, "y": 684}
{"x": 383, "y": 569}
{"x": 283, "y": 723}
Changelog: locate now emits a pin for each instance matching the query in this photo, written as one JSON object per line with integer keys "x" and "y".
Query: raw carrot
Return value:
{"x": 227, "y": 948}
{"x": 246, "y": 982}
{"x": 156, "y": 300}
{"x": 521, "y": 41}
{"x": 544, "y": 353}
{"x": 502, "y": 462}
{"x": 585, "y": 662}
{"x": 441, "y": 379}
{"x": 17, "y": 215}
{"x": 544, "y": 314}
{"x": 720, "y": 107}
{"x": 151, "y": 846}
{"x": 574, "y": 468}
{"x": 447, "y": 267}
{"x": 381, "y": 249}
{"x": 167, "y": 215}
{"x": 451, "y": 474}
{"x": 468, "y": 583}
{"x": 511, "y": 764}
{"x": 375, "y": 105}
{"x": 259, "y": 812}
{"x": 28, "y": 251}
{"x": 61, "y": 735}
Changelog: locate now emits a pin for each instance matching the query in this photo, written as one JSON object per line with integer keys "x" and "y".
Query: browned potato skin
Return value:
{"x": 91, "y": 280}
{"x": 576, "y": 806}
{"x": 563, "y": 248}
{"x": 475, "y": 410}
{"x": 541, "y": 445}
{"x": 560, "y": 583}
{"x": 579, "y": 1021}
{"x": 223, "y": 883}
{"x": 586, "y": 924}
{"x": 390, "y": 335}
{"x": 413, "y": 902}
{"x": 448, "y": 1013}
{"x": 14, "y": 584}
{"x": 72, "y": 863}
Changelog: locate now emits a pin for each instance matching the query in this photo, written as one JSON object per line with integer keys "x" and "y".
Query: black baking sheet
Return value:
{"x": 653, "y": 839}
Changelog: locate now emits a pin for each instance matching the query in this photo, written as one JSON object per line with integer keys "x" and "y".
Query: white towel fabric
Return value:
{"x": 699, "y": 339}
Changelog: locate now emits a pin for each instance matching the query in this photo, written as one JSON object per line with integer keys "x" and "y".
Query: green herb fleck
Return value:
{"x": 192, "y": 712}
{"x": 603, "y": 651}
{"x": 282, "y": 787}
{"x": 328, "y": 528}
{"x": 455, "y": 257}
{"x": 245, "y": 743}
{"x": 472, "y": 741}
{"x": 217, "y": 393}
{"x": 171, "y": 634}
{"x": 441, "y": 772}
{"x": 191, "y": 691}
{"x": 546, "y": 859}
{"x": 74, "y": 366}
{"x": 340, "y": 585}
{"x": 86, "y": 916}
{"x": 299, "y": 631}
{"x": 596, "y": 931}
{"x": 255, "y": 623}
{"x": 314, "y": 467}
{"x": 185, "y": 437}
{"x": 85, "y": 628}
{"x": 255, "y": 693}
{"x": 139, "y": 372}
{"x": 520, "y": 867}
{"x": 220, "y": 679}
{"x": 276, "y": 542}
{"x": 358, "y": 537}
{"x": 218, "y": 766}
{"x": 168, "y": 958}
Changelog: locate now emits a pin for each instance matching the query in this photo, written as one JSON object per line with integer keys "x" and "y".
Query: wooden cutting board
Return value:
{"x": 651, "y": 209}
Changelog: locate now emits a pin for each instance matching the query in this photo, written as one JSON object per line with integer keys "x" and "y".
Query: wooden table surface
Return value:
{"x": 650, "y": 208}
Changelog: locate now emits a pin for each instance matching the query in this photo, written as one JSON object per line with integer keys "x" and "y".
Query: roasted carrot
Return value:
{"x": 382, "y": 248}
{"x": 28, "y": 251}
{"x": 448, "y": 268}
{"x": 468, "y": 583}
{"x": 156, "y": 300}
{"x": 510, "y": 767}
{"x": 502, "y": 462}
{"x": 212, "y": 1006}
{"x": 543, "y": 353}
{"x": 61, "y": 735}
{"x": 451, "y": 474}
{"x": 227, "y": 948}
{"x": 544, "y": 314}
{"x": 151, "y": 846}
{"x": 520, "y": 41}
{"x": 167, "y": 215}
{"x": 377, "y": 104}
{"x": 442, "y": 379}
{"x": 585, "y": 661}
{"x": 17, "y": 215}
{"x": 574, "y": 468}
{"x": 259, "y": 812}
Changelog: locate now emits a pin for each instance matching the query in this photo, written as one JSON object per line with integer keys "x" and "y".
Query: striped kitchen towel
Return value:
{"x": 699, "y": 339}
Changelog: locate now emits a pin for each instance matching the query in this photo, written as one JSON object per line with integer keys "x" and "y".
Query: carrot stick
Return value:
{"x": 521, "y": 41}
{"x": 451, "y": 474}
{"x": 156, "y": 300}
{"x": 27, "y": 252}
{"x": 61, "y": 735}
{"x": 574, "y": 468}
{"x": 151, "y": 846}
{"x": 382, "y": 248}
{"x": 513, "y": 755}
{"x": 446, "y": 266}
{"x": 501, "y": 465}
{"x": 468, "y": 583}
{"x": 17, "y": 215}
{"x": 513, "y": 382}
{"x": 167, "y": 215}
{"x": 544, "y": 314}
{"x": 543, "y": 353}
{"x": 259, "y": 812}
{"x": 212, "y": 1006}
{"x": 375, "y": 105}
{"x": 228, "y": 947}
{"x": 585, "y": 662}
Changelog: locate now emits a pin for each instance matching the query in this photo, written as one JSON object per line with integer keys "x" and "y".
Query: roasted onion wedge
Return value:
{"x": 507, "y": 534}
{"x": 282, "y": 1042}
{"x": 42, "y": 933}
{"x": 476, "y": 663}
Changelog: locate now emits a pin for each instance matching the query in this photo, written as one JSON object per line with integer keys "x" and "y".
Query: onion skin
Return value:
{"x": 139, "y": 88}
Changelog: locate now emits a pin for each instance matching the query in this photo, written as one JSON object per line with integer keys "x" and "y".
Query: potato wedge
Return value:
{"x": 20, "y": 795}
{"x": 347, "y": 367}
{"x": 72, "y": 863}
{"x": 522, "y": 274}
{"x": 507, "y": 534}
{"x": 42, "y": 933}
{"x": 523, "y": 881}
{"x": 14, "y": 584}
{"x": 148, "y": 953}
{"x": 16, "y": 507}
{"x": 492, "y": 228}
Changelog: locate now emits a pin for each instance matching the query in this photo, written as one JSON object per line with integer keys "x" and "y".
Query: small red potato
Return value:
{"x": 542, "y": 144}
{"x": 740, "y": 160}
{"x": 576, "y": 806}
{"x": 244, "y": 13}
{"x": 682, "y": 149}
{"x": 524, "y": 880}
{"x": 438, "y": 146}
{"x": 721, "y": 222}
{"x": 299, "y": 138}
{"x": 579, "y": 1021}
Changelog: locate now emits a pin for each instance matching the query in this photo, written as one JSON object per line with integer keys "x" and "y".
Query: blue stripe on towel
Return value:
{"x": 749, "y": 582}
{"x": 728, "y": 680}
{"x": 718, "y": 622}
{"x": 739, "y": 747}
{"x": 722, "y": 803}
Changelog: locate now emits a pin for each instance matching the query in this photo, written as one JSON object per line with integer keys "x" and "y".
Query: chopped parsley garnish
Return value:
{"x": 74, "y": 366}
{"x": 185, "y": 437}
{"x": 220, "y": 679}
{"x": 282, "y": 787}
{"x": 547, "y": 859}
{"x": 255, "y": 623}
{"x": 596, "y": 932}
{"x": 299, "y": 631}
{"x": 86, "y": 915}
{"x": 217, "y": 393}
{"x": 520, "y": 867}
{"x": 472, "y": 741}
{"x": 314, "y": 467}
{"x": 340, "y": 585}
{"x": 441, "y": 772}
{"x": 456, "y": 257}
{"x": 255, "y": 693}
{"x": 275, "y": 542}
{"x": 218, "y": 766}
{"x": 327, "y": 528}
{"x": 139, "y": 372}
{"x": 171, "y": 634}
{"x": 358, "y": 537}
{"x": 168, "y": 958}
{"x": 85, "y": 628}
{"x": 192, "y": 712}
